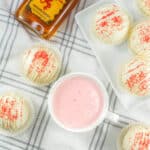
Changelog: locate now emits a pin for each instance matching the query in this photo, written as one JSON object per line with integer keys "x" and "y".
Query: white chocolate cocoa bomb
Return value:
{"x": 139, "y": 39}
{"x": 41, "y": 65}
{"x": 15, "y": 113}
{"x": 111, "y": 24}
{"x": 135, "y": 75}
{"x": 144, "y": 5}
{"x": 134, "y": 137}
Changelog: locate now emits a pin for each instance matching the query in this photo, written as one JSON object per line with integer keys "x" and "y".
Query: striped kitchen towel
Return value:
{"x": 76, "y": 56}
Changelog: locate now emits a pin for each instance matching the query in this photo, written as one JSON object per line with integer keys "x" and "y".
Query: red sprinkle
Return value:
{"x": 117, "y": 19}
{"x": 146, "y": 38}
{"x": 103, "y": 24}
{"x": 109, "y": 22}
{"x": 144, "y": 33}
{"x": 136, "y": 79}
{"x": 108, "y": 14}
{"x": 141, "y": 141}
{"x": 42, "y": 58}
{"x": 8, "y": 109}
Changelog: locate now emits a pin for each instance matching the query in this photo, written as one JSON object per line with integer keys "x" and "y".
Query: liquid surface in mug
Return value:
{"x": 78, "y": 102}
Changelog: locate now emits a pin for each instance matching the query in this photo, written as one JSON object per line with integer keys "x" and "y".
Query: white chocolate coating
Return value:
{"x": 15, "y": 113}
{"x": 135, "y": 137}
{"x": 41, "y": 65}
{"x": 135, "y": 75}
{"x": 112, "y": 24}
{"x": 144, "y": 5}
{"x": 139, "y": 39}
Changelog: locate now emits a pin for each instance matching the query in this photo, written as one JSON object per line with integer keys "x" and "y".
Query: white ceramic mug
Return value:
{"x": 105, "y": 114}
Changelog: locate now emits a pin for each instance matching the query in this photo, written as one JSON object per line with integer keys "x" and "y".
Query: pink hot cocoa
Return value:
{"x": 78, "y": 102}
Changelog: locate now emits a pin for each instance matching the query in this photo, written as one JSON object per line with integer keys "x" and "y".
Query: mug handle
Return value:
{"x": 112, "y": 117}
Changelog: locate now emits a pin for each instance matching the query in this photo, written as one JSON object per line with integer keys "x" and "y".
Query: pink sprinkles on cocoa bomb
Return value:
{"x": 141, "y": 141}
{"x": 8, "y": 109}
{"x": 110, "y": 20}
{"x": 41, "y": 58}
{"x": 144, "y": 33}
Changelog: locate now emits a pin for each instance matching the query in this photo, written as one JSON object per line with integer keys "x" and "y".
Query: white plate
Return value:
{"x": 111, "y": 58}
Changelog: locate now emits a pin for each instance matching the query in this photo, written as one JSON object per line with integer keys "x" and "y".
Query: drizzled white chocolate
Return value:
{"x": 135, "y": 75}
{"x": 140, "y": 37}
{"x": 144, "y": 5}
{"x": 135, "y": 137}
{"x": 15, "y": 112}
{"x": 41, "y": 65}
{"x": 112, "y": 24}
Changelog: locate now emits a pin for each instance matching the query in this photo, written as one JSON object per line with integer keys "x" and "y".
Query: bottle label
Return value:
{"x": 46, "y": 10}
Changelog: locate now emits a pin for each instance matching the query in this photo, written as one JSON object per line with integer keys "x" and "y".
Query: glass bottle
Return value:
{"x": 44, "y": 16}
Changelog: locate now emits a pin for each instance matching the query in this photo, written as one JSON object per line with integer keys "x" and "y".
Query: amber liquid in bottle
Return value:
{"x": 44, "y": 16}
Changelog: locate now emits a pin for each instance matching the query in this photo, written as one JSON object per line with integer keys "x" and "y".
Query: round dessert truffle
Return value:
{"x": 144, "y": 5}
{"x": 15, "y": 113}
{"x": 139, "y": 39}
{"x": 135, "y": 76}
{"x": 41, "y": 65}
{"x": 112, "y": 24}
{"x": 134, "y": 137}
